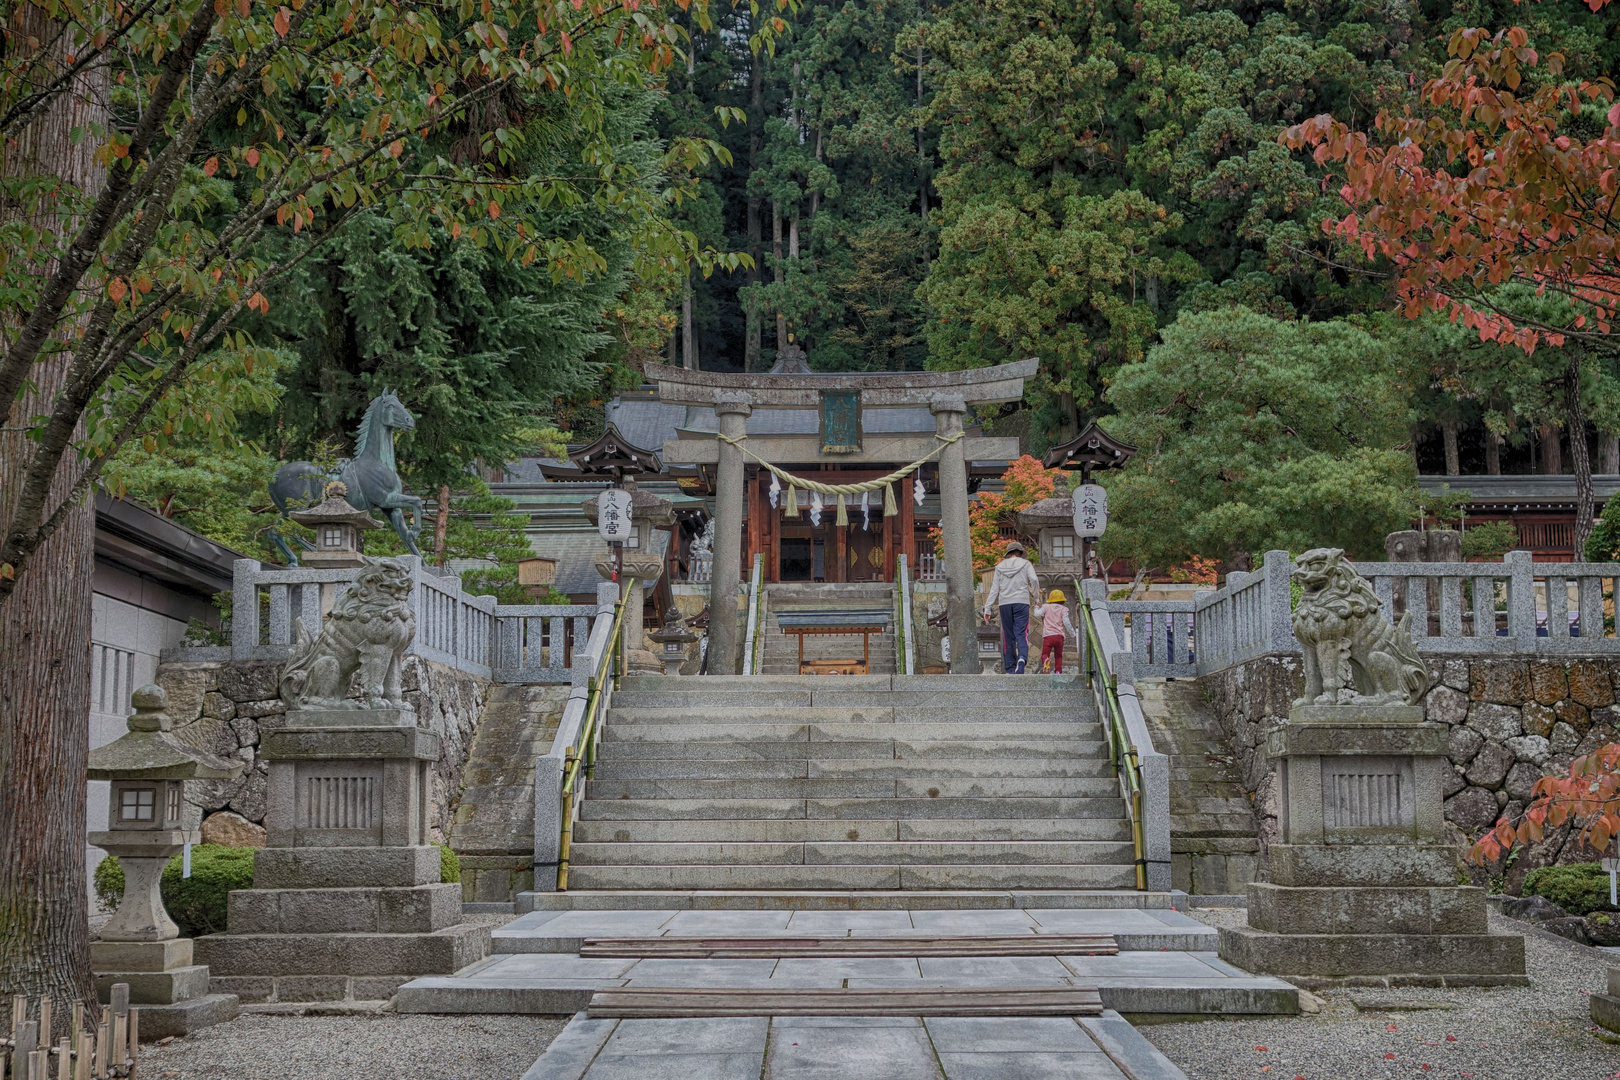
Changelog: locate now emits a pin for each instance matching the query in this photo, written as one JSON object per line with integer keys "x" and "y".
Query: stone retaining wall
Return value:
{"x": 1512, "y": 721}
{"x": 226, "y": 707}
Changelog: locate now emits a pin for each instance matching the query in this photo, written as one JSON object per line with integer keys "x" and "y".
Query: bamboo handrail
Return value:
{"x": 583, "y": 753}
{"x": 1122, "y": 753}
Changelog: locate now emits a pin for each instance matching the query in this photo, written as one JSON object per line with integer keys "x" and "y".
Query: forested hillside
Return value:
{"x": 952, "y": 185}
{"x": 909, "y": 185}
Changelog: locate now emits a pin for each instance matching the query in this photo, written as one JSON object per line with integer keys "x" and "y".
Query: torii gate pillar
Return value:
{"x": 953, "y": 522}
{"x": 733, "y": 410}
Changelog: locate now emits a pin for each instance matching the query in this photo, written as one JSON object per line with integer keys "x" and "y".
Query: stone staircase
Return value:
{"x": 781, "y": 652}
{"x": 877, "y": 782}
{"x": 492, "y": 827}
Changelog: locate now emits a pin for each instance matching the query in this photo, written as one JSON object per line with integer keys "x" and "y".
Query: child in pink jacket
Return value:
{"x": 1055, "y": 629}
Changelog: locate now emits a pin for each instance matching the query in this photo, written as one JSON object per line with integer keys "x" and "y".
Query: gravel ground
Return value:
{"x": 1541, "y": 1032}
{"x": 385, "y": 1046}
{"x": 372, "y": 1046}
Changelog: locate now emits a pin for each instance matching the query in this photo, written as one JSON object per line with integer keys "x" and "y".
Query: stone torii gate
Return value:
{"x": 947, "y": 394}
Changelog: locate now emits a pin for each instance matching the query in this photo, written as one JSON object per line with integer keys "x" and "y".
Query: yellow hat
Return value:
{"x": 1057, "y": 597}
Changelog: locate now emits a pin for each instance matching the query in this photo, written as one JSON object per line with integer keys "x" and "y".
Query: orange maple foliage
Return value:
{"x": 1025, "y": 483}
{"x": 1589, "y": 796}
{"x": 1484, "y": 189}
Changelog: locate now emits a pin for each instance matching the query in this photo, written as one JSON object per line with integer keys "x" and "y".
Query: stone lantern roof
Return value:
{"x": 1047, "y": 514}
{"x": 150, "y": 751}
{"x": 335, "y": 510}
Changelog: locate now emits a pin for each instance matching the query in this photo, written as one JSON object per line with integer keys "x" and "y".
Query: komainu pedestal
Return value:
{"x": 1363, "y": 887}
{"x": 346, "y": 900}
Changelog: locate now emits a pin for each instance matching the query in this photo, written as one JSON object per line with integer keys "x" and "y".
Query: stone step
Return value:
{"x": 840, "y": 692}
{"x": 940, "y": 715}
{"x": 892, "y": 876}
{"x": 512, "y": 987}
{"x": 934, "y": 684}
{"x": 931, "y": 788}
{"x": 673, "y": 809}
{"x": 686, "y": 768}
{"x": 784, "y": 647}
{"x": 446, "y": 950}
{"x": 975, "y": 901}
{"x": 734, "y": 830}
{"x": 849, "y": 750}
{"x": 854, "y": 740}
{"x": 859, "y": 853}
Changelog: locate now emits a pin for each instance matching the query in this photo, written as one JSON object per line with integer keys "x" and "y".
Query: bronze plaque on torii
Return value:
{"x": 840, "y": 421}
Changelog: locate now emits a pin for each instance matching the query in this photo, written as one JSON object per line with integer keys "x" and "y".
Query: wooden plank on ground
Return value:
{"x": 723, "y": 948}
{"x": 660, "y": 1002}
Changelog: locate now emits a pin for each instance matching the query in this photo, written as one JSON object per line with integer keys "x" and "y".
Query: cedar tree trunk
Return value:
{"x": 1580, "y": 455}
{"x": 45, "y": 630}
{"x": 441, "y": 526}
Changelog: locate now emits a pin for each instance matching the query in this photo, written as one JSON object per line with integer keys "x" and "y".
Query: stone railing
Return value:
{"x": 1160, "y": 636}
{"x": 1150, "y": 814}
{"x": 700, "y": 569}
{"x": 1514, "y": 606}
{"x": 591, "y": 674}
{"x": 525, "y": 643}
{"x": 537, "y": 643}
{"x": 929, "y": 567}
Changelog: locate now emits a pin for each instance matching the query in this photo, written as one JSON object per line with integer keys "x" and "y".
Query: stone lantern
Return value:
{"x": 337, "y": 528}
{"x": 674, "y": 637}
{"x": 141, "y": 945}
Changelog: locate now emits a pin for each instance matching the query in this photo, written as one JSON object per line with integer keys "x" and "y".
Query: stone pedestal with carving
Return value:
{"x": 1363, "y": 887}
{"x": 346, "y": 901}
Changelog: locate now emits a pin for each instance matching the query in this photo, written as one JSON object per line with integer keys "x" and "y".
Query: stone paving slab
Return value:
{"x": 1105, "y": 1047}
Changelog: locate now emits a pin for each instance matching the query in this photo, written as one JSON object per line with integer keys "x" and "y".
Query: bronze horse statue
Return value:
{"x": 371, "y": 477}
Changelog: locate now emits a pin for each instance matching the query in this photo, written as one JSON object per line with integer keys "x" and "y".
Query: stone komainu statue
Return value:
{"x": 1352, "y": 654}
{"x": 368, "y": 631}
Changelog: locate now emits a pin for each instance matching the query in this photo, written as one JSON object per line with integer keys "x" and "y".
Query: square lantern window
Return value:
{"x": 1062, "y": 547}
{"x": 137, "y": 804}
{"x": 332, "y": 537}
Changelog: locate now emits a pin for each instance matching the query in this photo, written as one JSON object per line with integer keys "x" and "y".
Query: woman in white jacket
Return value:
{"x": 1014, "y": 588}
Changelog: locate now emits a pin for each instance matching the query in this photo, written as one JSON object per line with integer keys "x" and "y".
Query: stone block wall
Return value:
{"x": 227, "y": 707}
{"x": 1512, "y": 720}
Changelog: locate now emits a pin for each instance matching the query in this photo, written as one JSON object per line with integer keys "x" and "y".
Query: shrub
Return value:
{"x": 197, "y": 904}
{"x": 449, "y": 865}
{"x": 1579, "y": 889}
{"x": 1489, "y": 540}
{"x": 1603, "y": 545}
